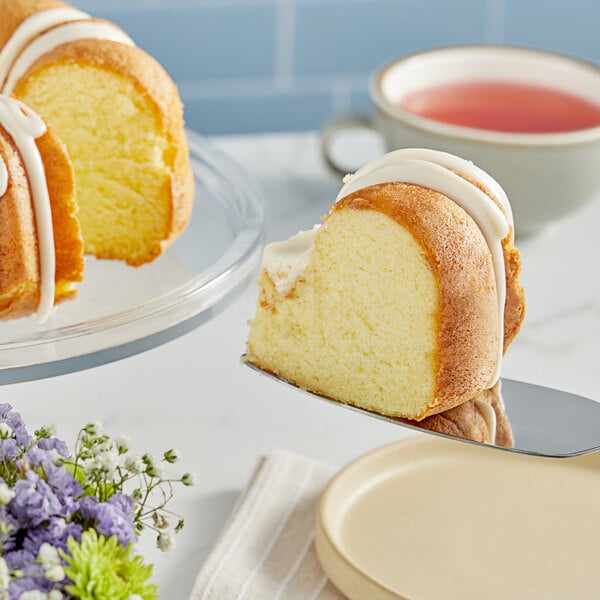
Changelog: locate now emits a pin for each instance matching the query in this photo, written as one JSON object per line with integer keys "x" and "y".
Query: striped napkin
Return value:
{"x": 266, "y": 549}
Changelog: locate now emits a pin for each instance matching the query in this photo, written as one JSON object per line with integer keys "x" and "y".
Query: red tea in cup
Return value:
{"x": 503, "y": 106}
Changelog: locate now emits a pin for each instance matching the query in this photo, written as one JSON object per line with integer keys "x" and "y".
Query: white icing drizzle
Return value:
{"x": 434, "y": 170}
{"x": 3, "y": 177}
{"x": 489, "y": 416}
{"x": 24, "y": 126}
{"x": 46, "y": 42}
{"x": 450, "y": 161}
{"x": 29, "y": 29}
{"x": 285, "y": 261}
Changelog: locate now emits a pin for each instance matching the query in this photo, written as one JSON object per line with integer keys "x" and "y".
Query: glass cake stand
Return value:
{"x": 121, "y": 310}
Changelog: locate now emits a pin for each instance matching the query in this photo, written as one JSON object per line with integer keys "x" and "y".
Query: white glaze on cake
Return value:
{"x": 44, "y": 31}
{"x": 450, "y": 161}
{"x": 489, "y": 416}
{"x": 29, "y": 29}
{"x": 24, "y": 127}
{"x": 285, "y": 261}
{"x": 3, "y": 178}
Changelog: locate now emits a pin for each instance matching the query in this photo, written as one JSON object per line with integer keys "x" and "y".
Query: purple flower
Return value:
{"x": 65, "y": 486}
{"x": 33, "y": 577}
{"x": 14, "y": 420}
{"x": 55, "y": 533}
{"x": 34, "y": 501}
{"x": 54, "y": 443}
{"x": 87, "y": 507}
{"x": 113, "y": 517}
{"x": 19, "y": 559}
{"x": 38, "y": 457}
{"x": 27, "y": 584}
{"x": 9, "y": 449}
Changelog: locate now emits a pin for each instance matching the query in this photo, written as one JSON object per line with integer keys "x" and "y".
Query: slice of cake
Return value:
{"x": 118, "y": 113}
{"x": 405, "y": 299}
{"x": 41, "y": 250}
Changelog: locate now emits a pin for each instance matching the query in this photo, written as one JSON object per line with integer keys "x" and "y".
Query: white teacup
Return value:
{"x": 546, "y": 175}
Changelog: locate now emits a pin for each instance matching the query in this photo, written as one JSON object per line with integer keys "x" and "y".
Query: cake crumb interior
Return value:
{"x": 119, "y": 154}
{"x": 367, "y": 304}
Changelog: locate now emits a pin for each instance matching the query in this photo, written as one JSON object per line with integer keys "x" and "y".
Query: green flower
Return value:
{"x": 101, "y": 569}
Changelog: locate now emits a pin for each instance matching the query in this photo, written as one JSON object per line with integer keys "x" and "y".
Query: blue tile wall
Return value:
{"x": 248, "y": 113}
{"x": 331, "y": 37}
{"x": 571, "y": 27}
{"x": 271, "y": 65}
{"x": 203, "y": 42}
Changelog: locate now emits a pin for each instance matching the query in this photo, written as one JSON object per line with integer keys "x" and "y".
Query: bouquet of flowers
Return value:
{"x": 69, "y": 522}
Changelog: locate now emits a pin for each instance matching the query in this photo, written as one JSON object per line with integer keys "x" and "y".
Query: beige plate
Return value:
{"x": 429, "y": 519}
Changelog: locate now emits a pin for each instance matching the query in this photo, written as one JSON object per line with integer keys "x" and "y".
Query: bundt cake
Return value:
{"x": 37, "y": 268}
{"x": 404, "y": 300}
{"x": 119, "y": 115}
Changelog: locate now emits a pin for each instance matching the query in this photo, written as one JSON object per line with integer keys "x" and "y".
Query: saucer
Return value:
{"x": 428, "y": 518}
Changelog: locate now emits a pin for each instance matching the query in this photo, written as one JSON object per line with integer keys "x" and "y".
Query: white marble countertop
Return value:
{"x": 193, "y": 394}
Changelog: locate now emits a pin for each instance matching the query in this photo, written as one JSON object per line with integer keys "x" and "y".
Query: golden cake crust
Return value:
{"x": 467, "y": 422}
{"x": 19, "y": 251}
{"x": 15, "y": 11}
{"x": 514, "y": 308}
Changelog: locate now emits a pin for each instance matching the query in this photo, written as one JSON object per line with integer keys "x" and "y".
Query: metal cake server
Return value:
{"x": 545, "y": 421}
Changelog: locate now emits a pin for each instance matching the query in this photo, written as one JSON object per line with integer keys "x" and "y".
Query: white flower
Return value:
{"x": 165, "y": 541}
{"x": 134, "y": 597}
{"x": 134, "y": 464}
{"x": 123, "y": 444}
{"x": 154, "y": 468}
{"x": 48, "y": 556}
{"x": 55, "y": 573}
{"x": 50, "y": 561}
{"x": 108, "y": 461}
{"x": 159, "y": 520}
{"x": 48, "y": 430}
{"x": 6, "y": 494}
{"x": 5, "y": 430}
{"x": 103, "y": 447}
{"x": 188, "y": 479}
{"x": 33, "y": 595}
{"x": 172, "y": 456}
{"x": 4, "y": 575}
{"x": 55, "y": 595}
{"x": 56, "y": 457}
{"x": 94, "y": 429}
{"x": 91, "y": 465}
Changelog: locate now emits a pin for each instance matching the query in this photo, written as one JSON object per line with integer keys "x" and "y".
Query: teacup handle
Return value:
{"x": 334, "y": 126}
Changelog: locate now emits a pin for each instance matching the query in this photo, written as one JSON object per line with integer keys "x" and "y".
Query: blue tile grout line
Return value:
{"x": 260, "y": 86}
{"x": 495, "y": 19}
{"x": 285, "y": 27}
